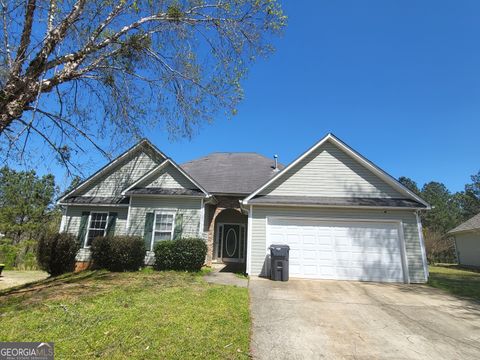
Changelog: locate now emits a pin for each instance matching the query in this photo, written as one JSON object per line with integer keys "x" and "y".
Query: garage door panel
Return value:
{"x": 344, "y": 250}
{"x": 309, "y": 255}
{"x": 310, "y": 269}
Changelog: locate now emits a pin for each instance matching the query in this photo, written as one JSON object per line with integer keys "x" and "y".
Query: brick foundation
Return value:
{"x": 82, "y": 265}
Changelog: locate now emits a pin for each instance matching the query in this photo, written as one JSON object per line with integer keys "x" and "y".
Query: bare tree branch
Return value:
{"x": 26, "y": 37}
{"x": 6, "y": 42}
{"x": 90, "y": 70}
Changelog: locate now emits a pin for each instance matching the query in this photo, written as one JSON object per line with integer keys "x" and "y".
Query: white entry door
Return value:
{"x": 345, "y": 250}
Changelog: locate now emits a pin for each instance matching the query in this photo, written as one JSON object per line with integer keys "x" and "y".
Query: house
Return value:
{"x": 341, "y": 215}
{"x": 467, "y": 241}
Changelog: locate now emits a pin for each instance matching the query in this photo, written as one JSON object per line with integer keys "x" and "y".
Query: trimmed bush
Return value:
{"x": 183, "y": 254}
{"x": 56, "y": 253}
{"x": 118, "y": 253}
{"x": 101, "y": 252}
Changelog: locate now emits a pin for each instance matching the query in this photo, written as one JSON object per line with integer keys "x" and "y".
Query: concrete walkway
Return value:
{"x": 222, "y": 277}
{"x": 302, "y": 319}
{"x": 10, "y": 278}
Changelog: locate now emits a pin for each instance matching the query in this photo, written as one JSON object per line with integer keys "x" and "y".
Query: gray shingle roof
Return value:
{"x": 95, "y": 200}
{"x": 336, "y": 201}
{"x": 164, "y": 191}
{"x": 469, "y": 225}
{"x": 231, "y": 173}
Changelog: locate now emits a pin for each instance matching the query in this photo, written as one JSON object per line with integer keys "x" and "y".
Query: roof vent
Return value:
{"x": 275, "y": 157}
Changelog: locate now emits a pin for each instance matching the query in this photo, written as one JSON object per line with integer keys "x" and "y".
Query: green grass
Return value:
{"x": 241, "y": 276}
{"x": 458, "y": 281}
{"x": 143, "y": 315}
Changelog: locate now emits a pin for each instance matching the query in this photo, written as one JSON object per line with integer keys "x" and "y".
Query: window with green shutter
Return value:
{"x": 112, "y": 221}
{"x": 82, "y": 231}
{"x": 148, "y": 230}
{"x": 97, "y": 226}
{"x": 177, "y": 233}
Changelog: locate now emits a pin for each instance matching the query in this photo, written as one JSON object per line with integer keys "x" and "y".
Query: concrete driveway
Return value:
{"x": 303, "y": 319}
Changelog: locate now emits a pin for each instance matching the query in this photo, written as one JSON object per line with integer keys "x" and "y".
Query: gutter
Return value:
{"x": 244, "y": 204}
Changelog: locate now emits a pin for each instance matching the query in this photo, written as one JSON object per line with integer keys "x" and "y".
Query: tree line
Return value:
{"x": 449, "y": 209}
{"x": 27, "y": 210}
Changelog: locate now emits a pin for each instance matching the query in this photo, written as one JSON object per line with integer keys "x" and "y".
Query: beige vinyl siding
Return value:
{"x": 129, "y": 171}
{"x": 410, "y": 230}
{"x": 73, "y": 215}
{"x": 169, "y": 178}
{"x": 189, "y": 207}
{"x": 468, "y": 248}
{"x": 328, "y": 171}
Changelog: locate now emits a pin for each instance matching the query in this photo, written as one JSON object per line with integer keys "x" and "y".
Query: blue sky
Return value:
{"x": 399, "y": 81}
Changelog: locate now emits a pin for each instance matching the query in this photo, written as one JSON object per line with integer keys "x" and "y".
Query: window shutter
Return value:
{"x": 82, "y": 231}
{"x": 112, "y": 220}
{"x": 177, "y": 232}
{"x": 147, "y": 232}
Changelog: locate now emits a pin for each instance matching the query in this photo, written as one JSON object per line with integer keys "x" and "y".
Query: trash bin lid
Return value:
{"x": 279, "y": 250}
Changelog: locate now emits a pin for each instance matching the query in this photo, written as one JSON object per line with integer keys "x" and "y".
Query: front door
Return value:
{"x": 232, "y": 242}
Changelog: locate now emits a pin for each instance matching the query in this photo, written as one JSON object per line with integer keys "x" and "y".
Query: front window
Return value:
{"x": 96, "y": 227}
{"x": 163, "y": 227}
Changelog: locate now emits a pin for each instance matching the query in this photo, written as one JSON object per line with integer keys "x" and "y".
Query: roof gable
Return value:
{"x": 127, "y": 168}
{"x": 332, "y": 169}
{"x": 472, "y": 224}
{"x": 328, "y": 171}
{"x": 168, "y": 176}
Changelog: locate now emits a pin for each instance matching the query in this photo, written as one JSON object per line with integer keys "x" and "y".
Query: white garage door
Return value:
{"x": 343, "y": 250}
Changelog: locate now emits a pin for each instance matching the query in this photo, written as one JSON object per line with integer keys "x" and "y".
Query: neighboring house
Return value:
{"x": 343, "y": 217}
{"x": 467, "y": 241}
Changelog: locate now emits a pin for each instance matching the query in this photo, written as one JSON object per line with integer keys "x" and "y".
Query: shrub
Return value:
{"x": 56, "y": 253}
{"x": 21, "y": 256}
{"x": 183, "y": 254}
{"x": 101, "y": 252}
{"x": 118, "y": 253}
{"x": 439, "y": 248}
{"x": 164, "y": 255}
{"x": 8, "y": 253}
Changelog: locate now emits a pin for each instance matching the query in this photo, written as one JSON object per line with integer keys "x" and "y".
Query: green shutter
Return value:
{"x": 112, "y": 220}
{"x": 177, "y": 232}
{"x": 147, "y": 232}
{"x": 82, "y": 231}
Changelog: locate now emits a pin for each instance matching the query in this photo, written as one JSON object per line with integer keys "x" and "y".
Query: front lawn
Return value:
{"x": 143, "y": 315}
{"x": 458, "y": 281}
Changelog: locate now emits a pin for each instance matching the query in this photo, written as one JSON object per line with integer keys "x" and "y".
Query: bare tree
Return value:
{"x": 74, "y": 71}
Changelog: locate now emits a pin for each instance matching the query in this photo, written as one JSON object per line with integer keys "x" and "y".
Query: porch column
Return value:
{"x": 211, "y": 235}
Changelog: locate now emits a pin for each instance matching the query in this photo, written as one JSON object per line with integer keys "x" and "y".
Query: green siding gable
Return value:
{"x": 328, "y": 171}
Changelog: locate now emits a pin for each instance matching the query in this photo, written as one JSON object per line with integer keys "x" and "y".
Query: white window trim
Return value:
{"x": 88, "y": 226}
{"x": 167, "y": 212}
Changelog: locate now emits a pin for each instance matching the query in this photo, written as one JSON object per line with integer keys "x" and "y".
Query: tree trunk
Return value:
{"x": 13, "y": 101}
